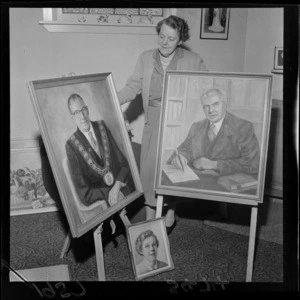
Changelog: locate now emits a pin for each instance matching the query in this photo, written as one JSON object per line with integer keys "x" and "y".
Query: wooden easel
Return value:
{"x": 252, "y": 235}
{"x": 98, "y": 245}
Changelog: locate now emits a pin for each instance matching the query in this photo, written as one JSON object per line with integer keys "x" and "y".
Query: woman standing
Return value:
{"x": 147, "y": 79}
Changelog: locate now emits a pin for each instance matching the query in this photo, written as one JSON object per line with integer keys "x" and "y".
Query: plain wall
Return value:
{"x": 264, "y": 33}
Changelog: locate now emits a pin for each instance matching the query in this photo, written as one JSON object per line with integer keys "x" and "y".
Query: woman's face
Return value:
{"x": 149, "y": 248}
{"x": 168, "y": 40}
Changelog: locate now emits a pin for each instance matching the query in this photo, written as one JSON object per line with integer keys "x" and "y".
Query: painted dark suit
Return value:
{"x": 236, "y": 148}
{"x": 89, "y": 184}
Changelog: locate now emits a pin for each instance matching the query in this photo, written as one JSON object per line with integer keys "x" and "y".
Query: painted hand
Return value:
{"x": 114, "y": 193}
{"x": 203, "y": 163}
{"x": 179, "y": 162}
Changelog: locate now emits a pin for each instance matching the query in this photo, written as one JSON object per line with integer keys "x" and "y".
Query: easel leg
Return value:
{"x": 159, "y": 206}
{"x": 124, "y": 218}
{"x": 99, "y": 252}
{"x": 251, "y": 244}
{"x": 66, "y": 245}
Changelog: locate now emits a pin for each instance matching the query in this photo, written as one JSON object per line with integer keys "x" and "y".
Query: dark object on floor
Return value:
{"x": 171, "y": 228}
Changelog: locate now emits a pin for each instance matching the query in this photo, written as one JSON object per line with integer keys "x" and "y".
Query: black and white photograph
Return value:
{"x": 149, "y": 145}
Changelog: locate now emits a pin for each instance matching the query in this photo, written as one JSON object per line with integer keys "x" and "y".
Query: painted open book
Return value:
{"x": 238, "y": 182}
{"x": 176, "y": 175}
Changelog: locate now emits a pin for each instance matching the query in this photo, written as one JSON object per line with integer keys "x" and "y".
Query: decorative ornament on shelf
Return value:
{"x": 125, "y": 19}
{"x": 146, "y": 19}
{"x": 82, "y": 19}
{"x": 102, "y": 19}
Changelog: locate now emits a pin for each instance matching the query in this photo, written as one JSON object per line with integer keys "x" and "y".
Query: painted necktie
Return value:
{"x": 211, "y": 132}
{"x": 94, "y": 144}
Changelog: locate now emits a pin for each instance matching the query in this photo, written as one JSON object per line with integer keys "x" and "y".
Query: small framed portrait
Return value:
{"x": 149, "y": 248}
{"x": 88, "y": 147}
{"x": 213, "y": 137}
{"x": 214, "y": 23}
{"x": 278, "y": 58}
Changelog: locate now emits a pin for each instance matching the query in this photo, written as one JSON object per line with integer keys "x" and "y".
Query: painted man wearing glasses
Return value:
{"x": 98, "y": 168}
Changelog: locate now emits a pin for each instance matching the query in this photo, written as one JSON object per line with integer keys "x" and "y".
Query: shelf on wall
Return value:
{"x": 55, "y": 21}
{"x": 274, "y": 71}
{"x": 53, "y": 26}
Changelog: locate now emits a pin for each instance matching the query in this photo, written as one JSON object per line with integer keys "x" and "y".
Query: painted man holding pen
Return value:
{"x": 221, "y": 144}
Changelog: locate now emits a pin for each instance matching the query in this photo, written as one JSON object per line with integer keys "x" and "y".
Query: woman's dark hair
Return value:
{"x": 176, "y": 23}
{"x": 140, "y": 239}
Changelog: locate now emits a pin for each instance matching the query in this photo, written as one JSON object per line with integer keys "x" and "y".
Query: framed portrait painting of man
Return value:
{"x": 213, "y": 137}
{"x": 149, "y": 247}
{"x": 88, "y": 146}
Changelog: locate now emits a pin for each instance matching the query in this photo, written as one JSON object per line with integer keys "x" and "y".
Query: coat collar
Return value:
{"x": 226, "y": 126}
{"x": 224, "y": 133}
{"x": 179, "y": 53}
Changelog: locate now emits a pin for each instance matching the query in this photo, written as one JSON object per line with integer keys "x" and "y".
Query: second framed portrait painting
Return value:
{"x": 213, "y": 137}
{"x": 88, "y": 147}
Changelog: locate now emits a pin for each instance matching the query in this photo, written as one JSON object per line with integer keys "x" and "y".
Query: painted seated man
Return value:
{"x": 98, "y": 168}
{"x": 221, "y": 143}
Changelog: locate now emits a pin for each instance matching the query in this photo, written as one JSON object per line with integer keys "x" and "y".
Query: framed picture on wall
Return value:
{"x": 213, "y": 136}
{"x": 88, "y": 147}
{"x": 149, "y": 247}
{"x": 214, "y": 23}
{"x": 278, "y": 58}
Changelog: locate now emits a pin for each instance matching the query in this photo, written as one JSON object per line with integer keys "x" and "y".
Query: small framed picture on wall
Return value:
{"x": 214, "y": 23}
{"x": 278, "y": 58}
